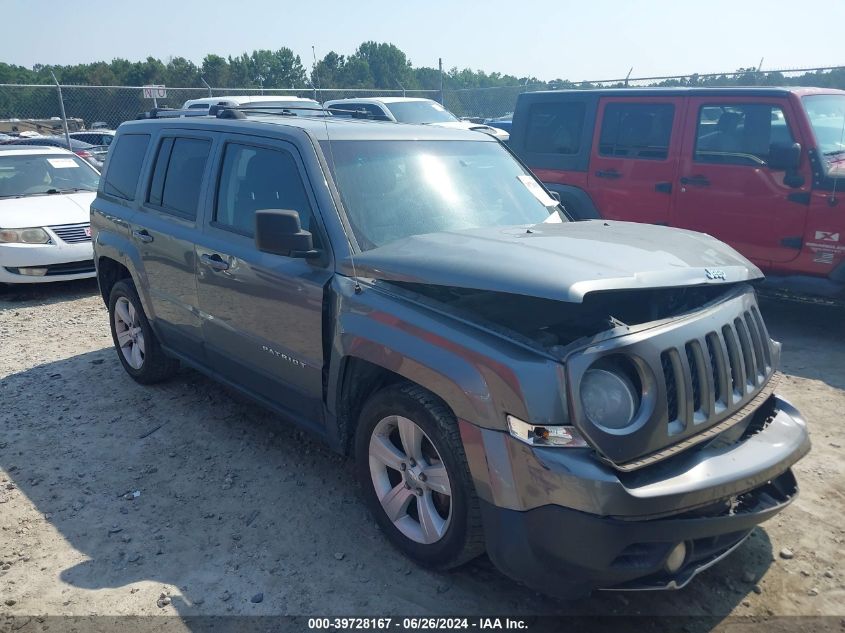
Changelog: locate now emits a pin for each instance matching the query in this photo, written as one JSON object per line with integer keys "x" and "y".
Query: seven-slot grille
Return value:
{"x": 73, "y": 233}
{"x": 712, "y": 374}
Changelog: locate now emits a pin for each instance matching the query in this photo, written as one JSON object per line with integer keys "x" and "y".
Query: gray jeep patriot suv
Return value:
{"x": 593, "y": 403}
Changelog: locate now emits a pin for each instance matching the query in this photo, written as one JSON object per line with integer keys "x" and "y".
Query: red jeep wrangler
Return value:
{"x": 762, "y": 169}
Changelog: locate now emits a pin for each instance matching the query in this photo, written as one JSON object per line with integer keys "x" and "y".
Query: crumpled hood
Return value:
{"x": 46, "y": 210}
{"x": 559, "y": 261}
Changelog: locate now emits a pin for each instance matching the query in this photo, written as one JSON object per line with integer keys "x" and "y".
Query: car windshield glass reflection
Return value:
{"x": 396, "y": 189}
{"x": 45, "y": 174}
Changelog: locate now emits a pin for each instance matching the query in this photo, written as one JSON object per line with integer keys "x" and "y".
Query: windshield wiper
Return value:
{"x": 835, "y": 152}
{"x": 70, "y": 190}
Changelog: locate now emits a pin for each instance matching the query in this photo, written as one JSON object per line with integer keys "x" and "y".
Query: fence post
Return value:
{"x": 440, "y": 66}
{"x": 62, "y": 106}
{"x": 205, "y": 83}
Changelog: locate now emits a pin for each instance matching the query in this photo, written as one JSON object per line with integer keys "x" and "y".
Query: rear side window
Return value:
{"x": 125, "y": 162}
{"x": 367, "y": 109}
{"x": 254, "y": 178}
{"x": 636, "y": 130}
{"x": 739, "y": 134}
{"x": 177, "y": 176}
{"x": 555, "y": 128}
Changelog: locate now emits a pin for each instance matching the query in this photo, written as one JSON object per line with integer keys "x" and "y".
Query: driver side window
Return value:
{"x": 254, "y": 178}
{"x": 740, "y": 134}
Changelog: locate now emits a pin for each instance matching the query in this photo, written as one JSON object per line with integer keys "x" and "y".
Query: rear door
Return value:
{"x": 726, "y": 189}
{"x": 263, "y": 313}
{"x": 634, "y": 158}
{"x": 166, "y": 229}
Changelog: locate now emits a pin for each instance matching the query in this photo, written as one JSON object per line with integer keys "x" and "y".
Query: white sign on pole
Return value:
{"x": 155, "y": 92}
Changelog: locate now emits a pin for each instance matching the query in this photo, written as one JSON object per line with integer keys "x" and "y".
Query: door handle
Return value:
{"x": 698, "y": 181}
{"x": 663, "y": 187}
{"x": 608, "y": 173}
{"x": 142, "y": 236}
{"x": 214, "y": 262}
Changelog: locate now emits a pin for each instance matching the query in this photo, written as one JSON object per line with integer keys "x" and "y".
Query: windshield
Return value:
{"x": 45, "y": 174}
{"x": 420, "y": 112}
{"x": 827, "y": 116}
{"x": 396, "y": 189}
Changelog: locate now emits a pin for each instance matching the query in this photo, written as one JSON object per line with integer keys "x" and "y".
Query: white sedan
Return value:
{"x": 45, "y": 231}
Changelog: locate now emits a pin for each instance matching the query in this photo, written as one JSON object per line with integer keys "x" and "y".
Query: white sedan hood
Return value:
{"x": 477, "y": 127}
{"x": 46, "y": 210}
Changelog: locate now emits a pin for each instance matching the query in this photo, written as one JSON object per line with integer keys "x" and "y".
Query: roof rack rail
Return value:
{"x": 170, "y": 113}
{"x": 240, "y": 112}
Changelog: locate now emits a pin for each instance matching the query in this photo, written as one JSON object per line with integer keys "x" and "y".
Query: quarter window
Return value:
{"x": 555, "y": 128}
{"x": 254, "y": 178}
{"x": 125, "y": 165}
{"x": 739, "y": 134}
{"x": 636, "y": 130}
{"x": 177, "y": 177}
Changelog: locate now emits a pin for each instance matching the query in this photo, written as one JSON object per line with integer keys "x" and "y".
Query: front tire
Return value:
{"x": 413, "y": 473}
{"x": 137, "y": 346}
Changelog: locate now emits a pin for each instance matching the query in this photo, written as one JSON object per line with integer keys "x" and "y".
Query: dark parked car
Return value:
{"x": 94, "y": 137}
{"x": 85, "y": 151}
{"x": 594, "y": 403}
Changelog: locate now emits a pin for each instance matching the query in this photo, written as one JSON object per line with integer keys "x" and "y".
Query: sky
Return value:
{"x": 548, "y": 39}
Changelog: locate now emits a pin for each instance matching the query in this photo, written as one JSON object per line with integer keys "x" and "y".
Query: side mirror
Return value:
{"x": 278, "y": 231}
{"x": 784, "y": 156}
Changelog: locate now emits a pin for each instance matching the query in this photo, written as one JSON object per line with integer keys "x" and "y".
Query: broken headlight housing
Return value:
{"x": 545, "y": 434}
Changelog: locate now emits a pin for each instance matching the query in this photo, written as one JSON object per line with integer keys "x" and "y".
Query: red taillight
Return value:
{"x": 83, "y": 153}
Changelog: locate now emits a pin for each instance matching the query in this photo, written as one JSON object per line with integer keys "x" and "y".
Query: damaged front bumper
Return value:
{"x": 565, "y": 524}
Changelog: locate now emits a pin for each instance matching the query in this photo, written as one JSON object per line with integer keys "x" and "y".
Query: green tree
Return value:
{"x": 215, "y": 70}
{"x": 388, "y": 66}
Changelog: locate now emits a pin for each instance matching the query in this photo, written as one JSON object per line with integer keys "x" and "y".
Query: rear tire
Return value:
{"x": 134, "y": 340}
{"x": 413, "y": 473}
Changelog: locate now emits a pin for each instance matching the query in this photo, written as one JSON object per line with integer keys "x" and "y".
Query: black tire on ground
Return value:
{"x": 156, "y": 365}
{"x": 463, "y": 539}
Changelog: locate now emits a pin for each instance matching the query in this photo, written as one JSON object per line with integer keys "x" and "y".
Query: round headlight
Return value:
{"x": 609, "y": 399}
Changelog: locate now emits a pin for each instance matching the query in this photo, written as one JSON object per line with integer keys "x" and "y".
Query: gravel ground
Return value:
{"x": 186, "y": 499}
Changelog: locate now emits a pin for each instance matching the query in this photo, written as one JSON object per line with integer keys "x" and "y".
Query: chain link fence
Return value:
{"x": 37, "y": 108}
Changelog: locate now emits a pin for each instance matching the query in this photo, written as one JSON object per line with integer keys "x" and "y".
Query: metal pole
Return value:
{"x": 440, "y": 65}
{"x": 62, "y": 106}
{"x": 315, "y": 79}
{"x": 205, "y": 83}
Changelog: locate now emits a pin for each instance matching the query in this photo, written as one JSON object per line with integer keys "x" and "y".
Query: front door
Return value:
{"x": 634, "y": 158}
{"x": 166, "y": 230}
{"x": 725, "y": 187}
{"x": 262, "y": 313}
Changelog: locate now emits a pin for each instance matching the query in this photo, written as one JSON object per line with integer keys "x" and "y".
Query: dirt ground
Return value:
{"x": 185, "y": 499}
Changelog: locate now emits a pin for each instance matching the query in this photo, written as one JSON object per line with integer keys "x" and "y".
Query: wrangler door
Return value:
{"x": 634, "y": 158}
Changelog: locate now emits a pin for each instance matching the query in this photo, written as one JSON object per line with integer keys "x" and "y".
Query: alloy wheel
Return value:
{"x": 130, "y": 335}
{"x": 410, "y": 479}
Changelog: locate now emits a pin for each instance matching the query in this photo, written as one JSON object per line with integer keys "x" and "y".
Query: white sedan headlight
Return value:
{"x": 24, "y": 236}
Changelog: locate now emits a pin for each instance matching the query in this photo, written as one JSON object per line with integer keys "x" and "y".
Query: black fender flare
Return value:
{"x": 576, "y": 201}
